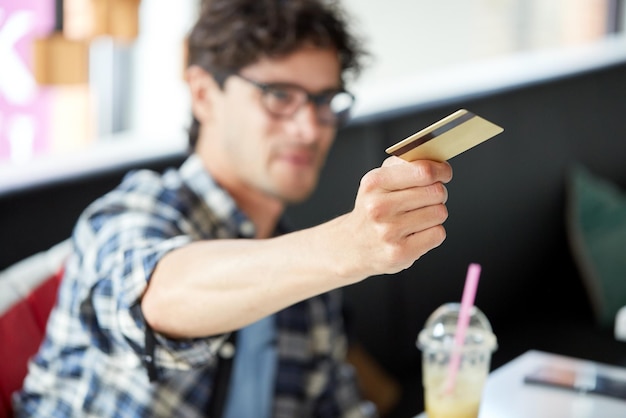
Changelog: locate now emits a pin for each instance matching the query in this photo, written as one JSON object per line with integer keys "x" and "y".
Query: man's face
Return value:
{"x": 250, "y": 150}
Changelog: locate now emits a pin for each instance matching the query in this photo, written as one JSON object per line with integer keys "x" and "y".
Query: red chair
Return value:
{"x": 28, "y": 291}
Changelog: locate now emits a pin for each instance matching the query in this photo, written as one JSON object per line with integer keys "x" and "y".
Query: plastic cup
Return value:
{"x": 436, "y": 341}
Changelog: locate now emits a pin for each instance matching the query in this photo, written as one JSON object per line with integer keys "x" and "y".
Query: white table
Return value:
{"x": 507, "y": 396}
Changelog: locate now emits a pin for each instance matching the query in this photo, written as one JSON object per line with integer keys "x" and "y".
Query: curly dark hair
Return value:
{"x": 231, "y": 34}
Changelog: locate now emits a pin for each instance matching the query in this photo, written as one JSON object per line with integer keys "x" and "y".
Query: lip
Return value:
{"x": 299, "y": 159}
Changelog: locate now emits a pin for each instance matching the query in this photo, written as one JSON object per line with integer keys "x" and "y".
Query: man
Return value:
{"x": 168, "y": 268}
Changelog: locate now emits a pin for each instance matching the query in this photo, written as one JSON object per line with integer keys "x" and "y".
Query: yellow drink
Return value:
{"x": 462, "y": 402}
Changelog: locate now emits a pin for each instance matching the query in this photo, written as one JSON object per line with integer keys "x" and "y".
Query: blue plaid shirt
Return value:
{"x": 90, "y": 363}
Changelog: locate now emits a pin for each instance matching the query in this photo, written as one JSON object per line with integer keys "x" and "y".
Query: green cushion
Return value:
{"x": 596, "y": 227}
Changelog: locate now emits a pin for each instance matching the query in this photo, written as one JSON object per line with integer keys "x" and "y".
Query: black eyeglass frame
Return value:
{"x": 318, "y": 99}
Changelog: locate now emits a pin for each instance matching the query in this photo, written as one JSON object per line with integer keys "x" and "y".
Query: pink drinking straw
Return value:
{"x": 469, "y": 294}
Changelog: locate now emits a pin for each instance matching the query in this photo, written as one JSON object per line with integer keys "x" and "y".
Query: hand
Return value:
{"x": 398, "y": 215}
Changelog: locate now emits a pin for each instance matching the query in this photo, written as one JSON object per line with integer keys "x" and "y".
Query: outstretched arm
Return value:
{"x": 210, "y": 287}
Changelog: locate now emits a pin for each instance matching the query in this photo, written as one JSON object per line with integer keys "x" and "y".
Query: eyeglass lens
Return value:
{"x": 332, "y": 107}
{"x": 281, "y": 99}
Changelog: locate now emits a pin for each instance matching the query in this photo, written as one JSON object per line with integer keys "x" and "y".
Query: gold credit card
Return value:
{"x": 446, "y": 138}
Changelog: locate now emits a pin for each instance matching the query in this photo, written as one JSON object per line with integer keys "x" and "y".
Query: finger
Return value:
{"x": 413, "y": 246}
{"x": 416, "y": 197}
{"x": 398, "y": 175}
{"x": 398, "y": 228}
{"x": 424, "y": 241}
{"x": 393, "y": 160}
{"x": 422, "y": 219}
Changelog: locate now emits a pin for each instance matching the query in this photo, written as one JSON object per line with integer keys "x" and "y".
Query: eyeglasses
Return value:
{"x": 284, "y": 100}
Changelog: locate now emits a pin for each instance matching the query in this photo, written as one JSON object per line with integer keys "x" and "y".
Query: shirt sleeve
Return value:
{"x": 123, "y": 246}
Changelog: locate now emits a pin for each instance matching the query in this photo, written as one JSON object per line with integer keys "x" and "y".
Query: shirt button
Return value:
{"x": 227, "y": 350}
{"x": 247, "y": 228}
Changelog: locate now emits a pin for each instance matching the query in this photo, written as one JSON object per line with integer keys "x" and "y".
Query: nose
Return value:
{"x": 307, "y": 122}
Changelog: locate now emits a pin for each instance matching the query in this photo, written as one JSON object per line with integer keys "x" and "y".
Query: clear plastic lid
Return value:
{"x": 439, "y": 330}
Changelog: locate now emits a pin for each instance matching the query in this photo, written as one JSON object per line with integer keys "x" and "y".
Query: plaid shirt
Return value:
{"x": 90, "y": 363}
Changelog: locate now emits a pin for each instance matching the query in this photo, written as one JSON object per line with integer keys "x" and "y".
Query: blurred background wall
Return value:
{"x": 79, "y": 77}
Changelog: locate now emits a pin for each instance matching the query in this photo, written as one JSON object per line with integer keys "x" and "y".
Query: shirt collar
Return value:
{"x": 223, "y": 206}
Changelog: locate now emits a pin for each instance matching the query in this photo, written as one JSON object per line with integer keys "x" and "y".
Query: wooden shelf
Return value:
{"x": 59, "y": 60}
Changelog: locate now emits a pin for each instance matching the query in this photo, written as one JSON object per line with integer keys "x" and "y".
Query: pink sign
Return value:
{"x": 24, "y": 106}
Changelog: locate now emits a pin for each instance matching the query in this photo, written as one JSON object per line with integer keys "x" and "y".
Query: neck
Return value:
{"x": 264, "y": 211}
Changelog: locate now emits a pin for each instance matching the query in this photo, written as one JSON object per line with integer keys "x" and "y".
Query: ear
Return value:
{"x": 202, "y": 87}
